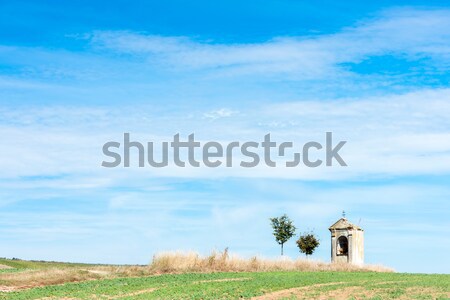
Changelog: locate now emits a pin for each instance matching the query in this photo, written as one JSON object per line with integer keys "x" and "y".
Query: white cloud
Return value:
{"x": 219, "y": 113}
{"x": 386, "y": 136}
{"x": 404, "y": 33}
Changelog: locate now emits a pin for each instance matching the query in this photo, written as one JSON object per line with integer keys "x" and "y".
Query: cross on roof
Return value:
{"x": 343, "y": 214}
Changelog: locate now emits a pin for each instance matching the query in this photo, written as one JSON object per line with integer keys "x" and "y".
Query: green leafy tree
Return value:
{"x": 283, "y": 229}
{"x": 307, "y": 243}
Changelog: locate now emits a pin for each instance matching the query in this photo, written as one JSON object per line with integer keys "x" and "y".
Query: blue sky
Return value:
{"x": 74, "y": 75}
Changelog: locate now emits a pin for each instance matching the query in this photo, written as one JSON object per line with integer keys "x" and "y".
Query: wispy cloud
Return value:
{"x": 410, "y": 34}
{"x": 387, "y": 136}
{"x": 219, "y": 113}
{"x": 146, "y": 67}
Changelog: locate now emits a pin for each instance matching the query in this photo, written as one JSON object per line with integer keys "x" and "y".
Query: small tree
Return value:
{"x": 307, "y": 243}
{"x": 283, "y": 229}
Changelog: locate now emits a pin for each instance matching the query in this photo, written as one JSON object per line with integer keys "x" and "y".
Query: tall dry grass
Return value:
{"x": 171, "y": 262}
{"x": 179, "y": 262}
{"x": 28, "y": 278}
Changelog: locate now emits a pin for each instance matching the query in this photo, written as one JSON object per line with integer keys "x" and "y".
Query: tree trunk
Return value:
{"x": 281, "y": 249}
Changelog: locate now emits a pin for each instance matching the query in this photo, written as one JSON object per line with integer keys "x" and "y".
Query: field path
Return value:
{"x": 299, "y": 291}
{"x": 136, "y": 293}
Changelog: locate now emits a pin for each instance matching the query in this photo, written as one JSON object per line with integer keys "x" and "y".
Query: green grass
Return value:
{"x": 196, "y": 286}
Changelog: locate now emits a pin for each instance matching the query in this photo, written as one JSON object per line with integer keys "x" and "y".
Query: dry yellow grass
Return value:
{"x": 223, "y": 262}
{"x": 51, "y": 276}
{"x": 32, "y": 278}
{"x": 171, "y": 262}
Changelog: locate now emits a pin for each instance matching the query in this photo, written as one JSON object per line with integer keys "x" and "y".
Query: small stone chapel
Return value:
{"x": 347, "y": 242}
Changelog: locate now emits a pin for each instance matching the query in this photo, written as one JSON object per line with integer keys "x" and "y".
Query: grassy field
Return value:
{"x": 141, "y": 282}
{"x": 33, "y": 264}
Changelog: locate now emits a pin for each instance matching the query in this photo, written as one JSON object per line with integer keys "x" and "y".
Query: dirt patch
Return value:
{"x": 222, "y": 280}
{"x": 136, "y": 293}
{"x": 384, "y": 282}
{"x": 3, "y": 267}
{"x": 57, "y": 298}
{"x": 358, "y": 292}
{"x": 293, "y": 292}
{"x": 417, "y": 291}
{"x": 100, "y": 272}
{"x": 352, "y": 292}
{"x": 132, "y": 294}
{"x": 7, "y": 289}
